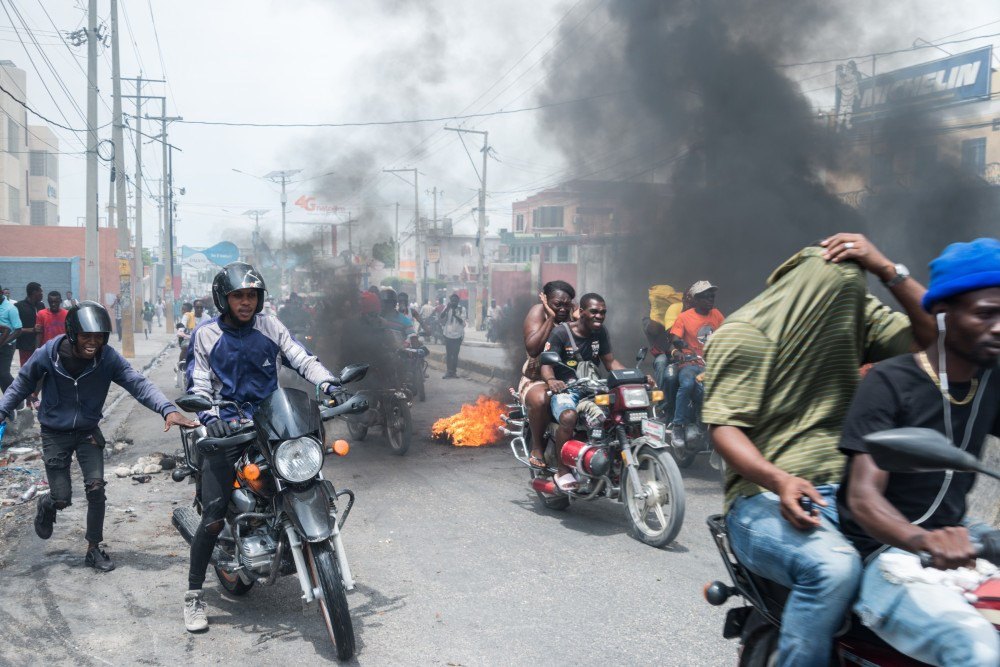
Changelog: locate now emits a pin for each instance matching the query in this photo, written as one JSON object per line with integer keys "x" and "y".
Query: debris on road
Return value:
{"x": 141, "y": 479}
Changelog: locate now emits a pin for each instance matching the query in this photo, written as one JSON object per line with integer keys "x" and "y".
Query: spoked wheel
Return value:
{"x": 325, "y": 575}
{"x": 232, "y": 582}
{"x": 398, "y": 427}
{"x": 656, "y": 518}
{"x": 357, "y": 430}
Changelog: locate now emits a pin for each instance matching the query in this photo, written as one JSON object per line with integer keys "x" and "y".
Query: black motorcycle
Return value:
{"x": 282, "y": 515}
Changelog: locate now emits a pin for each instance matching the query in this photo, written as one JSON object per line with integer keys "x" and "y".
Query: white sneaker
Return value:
{"x": 195, "y": 619}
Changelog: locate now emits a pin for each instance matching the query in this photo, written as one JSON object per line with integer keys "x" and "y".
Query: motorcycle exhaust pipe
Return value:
{"x": 544, "y": 485}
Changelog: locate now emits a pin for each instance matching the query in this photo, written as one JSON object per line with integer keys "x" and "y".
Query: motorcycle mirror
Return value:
{"x": 640, "y": 355}
{"x": 193, "y": 403}
{"x": 550, "y": 358}
{"x": 353, "y": 373}
{"x": 920, "y": 450}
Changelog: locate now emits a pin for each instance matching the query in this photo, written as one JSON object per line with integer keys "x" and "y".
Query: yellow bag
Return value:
{"x": 665, "y": 304}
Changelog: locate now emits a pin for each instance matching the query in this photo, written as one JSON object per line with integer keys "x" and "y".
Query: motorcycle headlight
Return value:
{"x": 298, "y": 460}
{"x": 636, "y": 398}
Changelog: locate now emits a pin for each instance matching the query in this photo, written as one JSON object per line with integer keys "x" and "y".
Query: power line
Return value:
{"x": 879, "y": 54}
{"x": 159, "y": 52}
{"x": 410, "y": 121}
{"x": 46, "y": 118}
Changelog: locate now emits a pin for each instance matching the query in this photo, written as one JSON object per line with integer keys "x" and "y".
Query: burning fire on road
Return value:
{"x": 475, "y": 425}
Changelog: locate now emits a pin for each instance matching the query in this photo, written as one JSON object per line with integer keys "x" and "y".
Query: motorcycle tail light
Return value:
{"x": 602, "y": 399}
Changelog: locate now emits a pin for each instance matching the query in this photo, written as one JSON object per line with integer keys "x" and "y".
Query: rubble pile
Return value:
{"x": 147, "y": 465}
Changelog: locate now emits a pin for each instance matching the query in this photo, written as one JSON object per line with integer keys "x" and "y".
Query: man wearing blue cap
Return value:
{"x": 950, "y": 387}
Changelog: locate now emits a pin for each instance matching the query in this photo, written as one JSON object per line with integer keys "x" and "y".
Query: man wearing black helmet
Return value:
{"x": 76, "y": 370}
{"x": 235, "y": 358}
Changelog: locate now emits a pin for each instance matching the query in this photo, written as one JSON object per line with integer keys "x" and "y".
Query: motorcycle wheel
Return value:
{"x": 683, "y": 458}
{"x": 398, "y": 427}
{"x": 325, "y": 574}
{"x": 357, "y": 430}
{"x": 662, "y": 481}
{"x": 760, "y": 648}
{"x": 421, "y": 390}
{"x": 232, "y": 582}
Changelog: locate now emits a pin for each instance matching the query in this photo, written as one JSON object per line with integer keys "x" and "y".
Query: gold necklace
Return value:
{"x": 925, "y": 363}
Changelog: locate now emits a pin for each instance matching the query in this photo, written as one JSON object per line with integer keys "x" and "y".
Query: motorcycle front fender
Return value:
{"x": 308, "y": 510}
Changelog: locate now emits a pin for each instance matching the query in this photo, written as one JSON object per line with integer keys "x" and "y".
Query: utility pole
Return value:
{"x": 350, "y": 242}
{"x": 255, "y": 213}
{"x": 481, "y": 232}
{"x": 284, "y": 175}
{"x": 396, "y": 244}
{"x": 420, "y": 277}
{"x": 434, "y": 231}
{"x": 167, "y": 231}
{"x": 92, "y": 237}
{"x": 140, "y": 265}
{"x": 126, "y": 268}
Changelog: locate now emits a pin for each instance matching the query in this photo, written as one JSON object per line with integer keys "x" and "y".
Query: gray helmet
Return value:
{"x": 87, "y": 317}
{"x": 234, "y": 276}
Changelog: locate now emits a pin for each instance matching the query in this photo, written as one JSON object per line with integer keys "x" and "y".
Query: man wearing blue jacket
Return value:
{"x": 234, "y": 357}
{"x": 76, "y": 371}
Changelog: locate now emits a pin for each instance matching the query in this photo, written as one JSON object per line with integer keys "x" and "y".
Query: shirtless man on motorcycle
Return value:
{"x": 779, "y": 376}
{"x": 555, "y": 308}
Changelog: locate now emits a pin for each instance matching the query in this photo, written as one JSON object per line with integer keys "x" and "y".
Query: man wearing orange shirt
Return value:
{"x": 51, "y": 322}
{"x": 689, "y": 335}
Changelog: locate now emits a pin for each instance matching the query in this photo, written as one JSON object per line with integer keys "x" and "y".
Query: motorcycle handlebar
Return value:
{"x": 244, "y": 435}
{"x": 987, "y": 547}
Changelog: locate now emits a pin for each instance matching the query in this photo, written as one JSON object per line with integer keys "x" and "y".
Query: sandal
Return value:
{"x": 567, "y": 482}
{"x": 537, "y": 462}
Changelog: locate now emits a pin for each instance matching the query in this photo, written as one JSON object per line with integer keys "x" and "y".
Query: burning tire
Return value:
{"x": 657, "y": 518}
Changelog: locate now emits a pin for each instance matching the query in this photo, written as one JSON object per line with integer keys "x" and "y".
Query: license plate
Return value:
{"x": 654, "y": 430}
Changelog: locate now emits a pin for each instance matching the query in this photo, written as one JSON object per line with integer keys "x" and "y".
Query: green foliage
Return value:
{"x": 386, "y": 253}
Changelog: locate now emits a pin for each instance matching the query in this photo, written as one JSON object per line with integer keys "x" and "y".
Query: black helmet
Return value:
{"x": 234, "y": 276}
{"x": 88, "y": 317}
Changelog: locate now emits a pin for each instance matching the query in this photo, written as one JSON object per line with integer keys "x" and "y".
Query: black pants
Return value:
{"x": 57, "y": 452}
{"x": 6, "y": 359}
{"x": 451, "y": 346}
{"x": 217, "y": 475}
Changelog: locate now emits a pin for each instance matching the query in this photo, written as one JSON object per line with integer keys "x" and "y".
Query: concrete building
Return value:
{"x": 29, "y": 155}
{"x": 572, "y": 232}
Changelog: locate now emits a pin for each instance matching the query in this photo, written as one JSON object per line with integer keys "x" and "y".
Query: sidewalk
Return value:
{"x": 476, "y": 356}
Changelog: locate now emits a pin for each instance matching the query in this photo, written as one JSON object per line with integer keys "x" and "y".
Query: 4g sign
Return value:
{"x": 309, "y": 204}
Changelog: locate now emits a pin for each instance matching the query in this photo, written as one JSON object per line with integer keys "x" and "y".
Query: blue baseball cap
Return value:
{"x": 964, "y": 267}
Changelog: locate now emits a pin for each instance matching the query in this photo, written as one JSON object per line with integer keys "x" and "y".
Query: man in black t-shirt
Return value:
{"x": 887, "y": 514}
{"x": 585, "y": 341}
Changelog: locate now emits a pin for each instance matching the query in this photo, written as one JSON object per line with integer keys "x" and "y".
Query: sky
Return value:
{"x": 346, "y": 61}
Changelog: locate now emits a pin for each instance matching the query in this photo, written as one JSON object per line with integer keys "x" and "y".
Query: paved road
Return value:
{"x": 456, "y": 564}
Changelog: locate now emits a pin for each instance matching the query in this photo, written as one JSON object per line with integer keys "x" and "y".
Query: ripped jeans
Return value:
{"x": 216, "y": 487}
{"x": 929, "y": 622}
{"x": 57, "y": 452}
{"x": 821, "y": 567}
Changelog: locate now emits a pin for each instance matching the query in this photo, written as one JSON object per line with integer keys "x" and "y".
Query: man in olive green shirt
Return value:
{"x": 779, "y": 378}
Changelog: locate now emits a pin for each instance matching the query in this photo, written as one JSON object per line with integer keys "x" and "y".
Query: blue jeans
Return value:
{"x": 560, "y": 403}
{"x": 928, "y": 622}
{"x": 689, "y": 393}
{"x": 667, "y": 384}
{"x": 821, "y": 567}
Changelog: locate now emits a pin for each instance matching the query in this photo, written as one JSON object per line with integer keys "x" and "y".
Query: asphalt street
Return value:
{"x": 456, "y": 564}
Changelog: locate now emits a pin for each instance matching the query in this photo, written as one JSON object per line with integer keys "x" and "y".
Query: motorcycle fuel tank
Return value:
{"x": 587, "y": 459}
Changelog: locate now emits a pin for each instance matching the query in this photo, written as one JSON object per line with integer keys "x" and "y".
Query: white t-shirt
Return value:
{"x": 451, "y": 327}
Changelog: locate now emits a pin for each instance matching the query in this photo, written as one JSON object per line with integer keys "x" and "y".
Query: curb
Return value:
{"x": 478, "y": 367}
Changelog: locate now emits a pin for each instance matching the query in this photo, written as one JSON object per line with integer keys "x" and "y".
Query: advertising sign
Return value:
{"x": 960, "y": 78}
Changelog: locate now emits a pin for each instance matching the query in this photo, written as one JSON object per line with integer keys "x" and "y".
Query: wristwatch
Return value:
{"x": 902, "y": 273}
